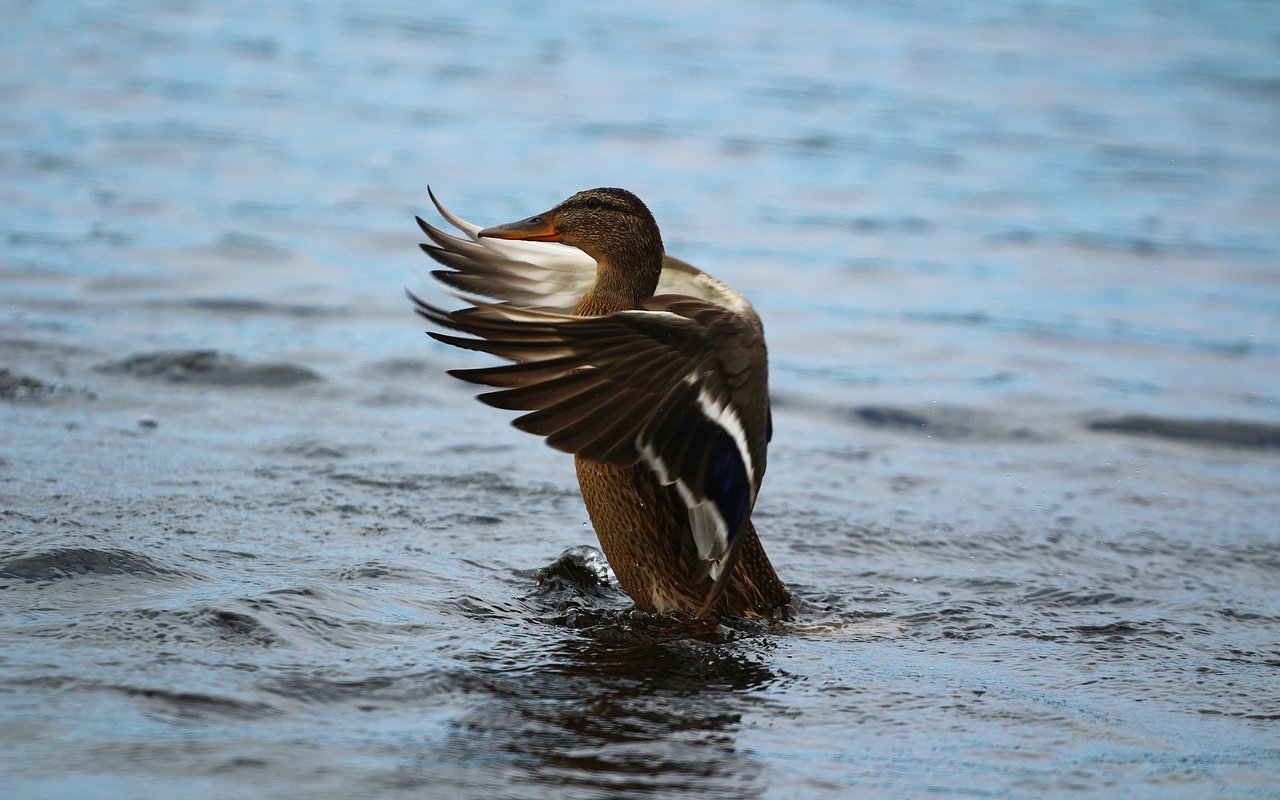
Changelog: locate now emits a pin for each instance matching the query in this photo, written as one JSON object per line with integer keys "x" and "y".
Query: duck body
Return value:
{"x": 641, "y": 526}
{"x": 651, "y": 372}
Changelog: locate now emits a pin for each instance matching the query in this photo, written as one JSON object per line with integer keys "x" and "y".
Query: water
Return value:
{"x": 1018, "y": 267}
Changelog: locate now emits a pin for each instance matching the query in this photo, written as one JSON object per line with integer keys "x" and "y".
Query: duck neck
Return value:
{"x": 622, "y": 282}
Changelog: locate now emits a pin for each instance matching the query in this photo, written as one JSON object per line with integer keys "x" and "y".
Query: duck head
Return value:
{"x": 612, "y": 226}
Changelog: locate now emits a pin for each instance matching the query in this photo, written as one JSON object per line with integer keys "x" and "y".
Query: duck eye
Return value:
{"x": 594, "y": 203}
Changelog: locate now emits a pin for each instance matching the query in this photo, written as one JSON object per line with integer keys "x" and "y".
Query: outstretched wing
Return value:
{"x": 529, "y": 274}
{"x": 679, "y": 385}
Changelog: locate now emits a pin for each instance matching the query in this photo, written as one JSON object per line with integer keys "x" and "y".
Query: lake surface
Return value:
{"x": 1019, "y": 265}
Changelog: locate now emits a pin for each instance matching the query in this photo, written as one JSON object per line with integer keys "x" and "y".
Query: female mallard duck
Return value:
{"x": 662, "y": 398}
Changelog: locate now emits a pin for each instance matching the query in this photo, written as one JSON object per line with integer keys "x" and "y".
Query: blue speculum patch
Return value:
{"x": 726, "y": 482}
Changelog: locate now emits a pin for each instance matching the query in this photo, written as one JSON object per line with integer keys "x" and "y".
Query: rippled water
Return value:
{"x": 1019, "y": 268}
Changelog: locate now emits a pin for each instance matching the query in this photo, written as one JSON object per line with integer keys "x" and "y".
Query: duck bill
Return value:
{"x": 533, "y": 229}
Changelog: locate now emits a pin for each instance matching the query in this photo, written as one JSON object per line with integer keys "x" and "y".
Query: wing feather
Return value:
{"x": 581, "y": 377}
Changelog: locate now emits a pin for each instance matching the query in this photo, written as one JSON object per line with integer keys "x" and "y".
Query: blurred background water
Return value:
{"x": 1019, "y": 264}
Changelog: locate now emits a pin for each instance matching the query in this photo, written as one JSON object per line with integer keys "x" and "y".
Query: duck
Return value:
{"x": 652, "y": 373}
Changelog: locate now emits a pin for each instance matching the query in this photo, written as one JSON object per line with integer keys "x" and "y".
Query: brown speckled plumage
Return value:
{"x": 642, "y": 528}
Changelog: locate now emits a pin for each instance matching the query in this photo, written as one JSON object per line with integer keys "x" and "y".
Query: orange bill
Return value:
{"x": 539, "y": 228}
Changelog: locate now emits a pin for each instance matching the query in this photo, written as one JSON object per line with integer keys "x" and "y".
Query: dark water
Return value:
{"x": 1020, "y": 269}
